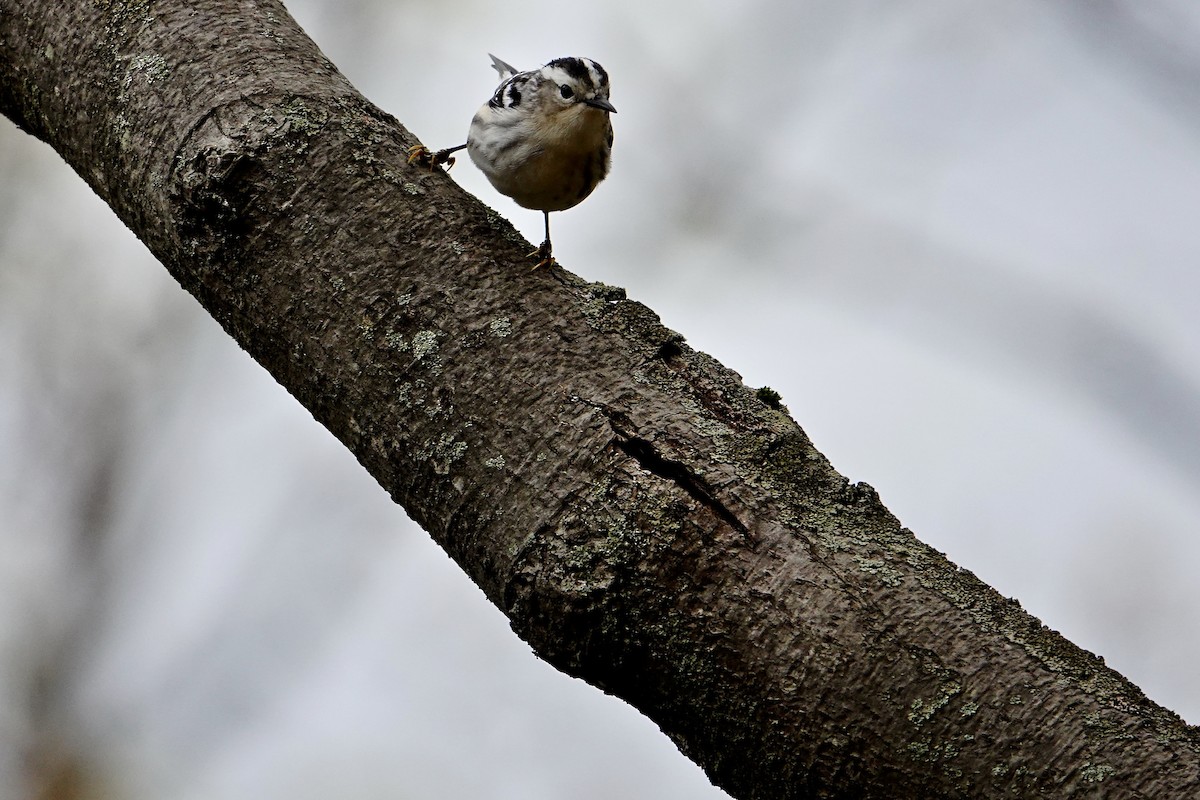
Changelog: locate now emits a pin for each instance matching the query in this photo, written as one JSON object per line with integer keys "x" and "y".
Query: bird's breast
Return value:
{"x": 548, "y": 166}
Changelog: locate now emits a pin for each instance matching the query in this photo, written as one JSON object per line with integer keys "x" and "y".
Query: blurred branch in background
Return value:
{"x": 1155, "y": 43}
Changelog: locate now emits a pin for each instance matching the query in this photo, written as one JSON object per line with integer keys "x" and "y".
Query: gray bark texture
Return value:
{"x": 646, "y": 521}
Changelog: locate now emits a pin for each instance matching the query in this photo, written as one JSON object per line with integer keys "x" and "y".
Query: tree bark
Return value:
{"x": 647, "y": 522}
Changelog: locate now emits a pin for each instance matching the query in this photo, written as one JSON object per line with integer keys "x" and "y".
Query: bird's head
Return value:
{"x": 577, "y": 84}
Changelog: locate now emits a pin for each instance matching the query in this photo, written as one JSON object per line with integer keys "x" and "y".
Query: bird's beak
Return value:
{"x": 603, "y": 105}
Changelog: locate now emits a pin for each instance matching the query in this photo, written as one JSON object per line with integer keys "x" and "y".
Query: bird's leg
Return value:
{"x": 422, "y": 157}
{"x": 544, "y": 254}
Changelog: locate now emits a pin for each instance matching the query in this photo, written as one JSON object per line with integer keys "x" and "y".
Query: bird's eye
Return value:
{"x": 566, "y": 92}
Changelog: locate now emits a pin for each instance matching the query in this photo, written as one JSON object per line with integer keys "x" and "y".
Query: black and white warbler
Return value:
{"x": 544, "y": 138}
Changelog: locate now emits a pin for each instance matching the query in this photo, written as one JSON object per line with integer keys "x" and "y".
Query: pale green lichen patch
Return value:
{"x": 404, "y": 395}
{"x": 502, "y": 226}
{"x": 1096, "y": 773}
{"x": 435, "y": 408}
{"x": 495, "y": 462}
{"x": 931, "y": 752}
{"x": 921, "y": 710}
{"x": 417, "y": 396}
{"x": 606, "y": 293}
{"x": 152, "y": 68}
{"x": 969, "y": 709}
{"x": 395, "y": 341}
{"x": 445, "y": 452}
{"x": 887, "y": 574}
{"x": 302, "y": 117}
{"x": 501, "y": 326}
{"x": 918, "y": 751}
{"x": 424, "y": 343}
{"x": 1098, "y": 725}
{"x": 124, "y": 14}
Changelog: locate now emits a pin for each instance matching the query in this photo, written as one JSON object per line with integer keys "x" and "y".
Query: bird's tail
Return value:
{"x": 506, "y": 70}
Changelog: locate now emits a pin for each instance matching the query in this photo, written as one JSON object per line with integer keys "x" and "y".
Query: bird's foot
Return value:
{"x": 422, "y": 156}
{"x": 544, "y": 256}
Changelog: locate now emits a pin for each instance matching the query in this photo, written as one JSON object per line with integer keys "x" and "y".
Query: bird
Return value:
{"x": 544, "y": 138}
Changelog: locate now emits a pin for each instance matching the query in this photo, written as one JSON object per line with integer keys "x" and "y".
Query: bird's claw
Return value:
{"x": 422, "y": 156}
{"x": 544, "y": 255}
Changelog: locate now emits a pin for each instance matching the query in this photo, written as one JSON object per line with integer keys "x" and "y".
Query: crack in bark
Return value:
{"x": 650, "y": 459}
{"x": 699, "y": 489}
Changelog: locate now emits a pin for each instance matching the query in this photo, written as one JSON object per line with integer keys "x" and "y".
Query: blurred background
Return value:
{"x": 960, "y": 239}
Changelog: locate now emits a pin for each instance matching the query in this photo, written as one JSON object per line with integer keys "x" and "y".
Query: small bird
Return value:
{"x": 544, "y": 139}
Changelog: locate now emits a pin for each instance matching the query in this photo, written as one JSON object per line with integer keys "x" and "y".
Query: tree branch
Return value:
{"x": 647, "y": 522}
